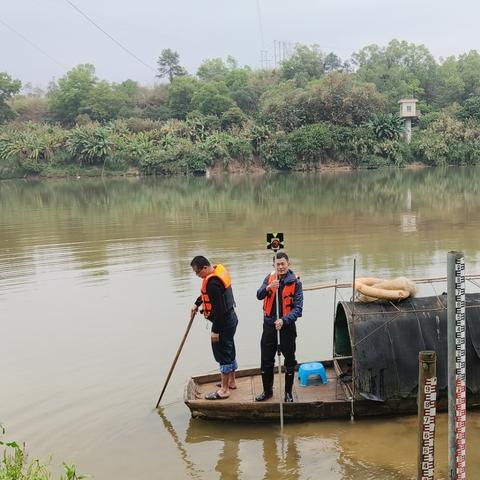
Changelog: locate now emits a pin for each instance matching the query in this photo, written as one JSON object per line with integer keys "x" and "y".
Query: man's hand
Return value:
{"x": 279, "y": 324}
{"x": 194, "y": 310}
{"x": 273, "y": 285}
{"x": 215, "y": 337}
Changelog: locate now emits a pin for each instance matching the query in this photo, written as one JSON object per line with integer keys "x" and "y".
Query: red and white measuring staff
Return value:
{"x": 428, "y": 432}
{"x": 460, "y": 369}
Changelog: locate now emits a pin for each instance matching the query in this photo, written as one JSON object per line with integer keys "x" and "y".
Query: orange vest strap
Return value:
{"x": 288, "y": 294}
{"x": 222, "y": 274}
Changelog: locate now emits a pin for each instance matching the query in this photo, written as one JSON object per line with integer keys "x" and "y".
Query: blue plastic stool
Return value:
{"x": 312, "y": 368}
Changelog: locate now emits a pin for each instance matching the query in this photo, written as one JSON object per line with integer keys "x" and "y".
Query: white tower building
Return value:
{"x": 408, "y": 110}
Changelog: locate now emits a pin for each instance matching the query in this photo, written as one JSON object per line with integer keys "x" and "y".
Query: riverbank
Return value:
{"x": 218, "y": 169}
{"x": 15, "y": 464}
{"x": 172, "y": 148}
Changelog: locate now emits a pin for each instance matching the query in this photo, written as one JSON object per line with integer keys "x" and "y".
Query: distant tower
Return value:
{"x": 408, "y": 110}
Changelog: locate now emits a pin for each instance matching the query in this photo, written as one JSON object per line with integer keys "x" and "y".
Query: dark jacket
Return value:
{"x": 297, "y": 300}
{"x": 219, "y": 317}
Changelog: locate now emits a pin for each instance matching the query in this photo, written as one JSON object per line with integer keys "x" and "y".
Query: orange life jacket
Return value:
{"x": 288, "y": 293}
{"x": 228, "y": 302}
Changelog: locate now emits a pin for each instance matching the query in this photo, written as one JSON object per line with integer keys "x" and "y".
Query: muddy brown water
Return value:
{"x": 95, "y": 292}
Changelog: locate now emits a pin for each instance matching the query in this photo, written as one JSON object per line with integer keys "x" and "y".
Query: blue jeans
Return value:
{"x": 224, "y": 349}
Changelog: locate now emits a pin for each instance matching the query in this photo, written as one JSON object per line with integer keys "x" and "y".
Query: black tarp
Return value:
{"x": 386, "y": 339}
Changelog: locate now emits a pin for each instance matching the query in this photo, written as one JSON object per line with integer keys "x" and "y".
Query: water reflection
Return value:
{"x": 190, "y": 467}
{"x": 315, "y": 450}
{"x": 99, "y": 224}
{"x": 366, "y": 449}
{"x": 279, "y": 455}
{"x": 409, "y": 217}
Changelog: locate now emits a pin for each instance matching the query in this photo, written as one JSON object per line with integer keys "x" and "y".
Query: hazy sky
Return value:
{"x": 200, "y": 29}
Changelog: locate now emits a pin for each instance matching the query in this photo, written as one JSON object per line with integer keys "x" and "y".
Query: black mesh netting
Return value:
{"x": 388, "y": 337}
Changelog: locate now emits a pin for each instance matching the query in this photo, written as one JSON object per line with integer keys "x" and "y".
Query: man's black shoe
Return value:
{"x": 288, "y": 398}
{"x": 263, "y": 396}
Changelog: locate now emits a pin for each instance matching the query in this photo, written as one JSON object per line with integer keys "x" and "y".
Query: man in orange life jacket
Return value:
{"x": 290, "y": 293}
{"x": 218, "y": 307}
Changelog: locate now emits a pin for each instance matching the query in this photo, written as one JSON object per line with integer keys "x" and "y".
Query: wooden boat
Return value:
{"x": 376, "y": 343}
{"x": 314, "y": 401}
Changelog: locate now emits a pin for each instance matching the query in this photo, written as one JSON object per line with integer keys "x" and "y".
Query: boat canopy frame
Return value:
{"x": 384, "y": 338}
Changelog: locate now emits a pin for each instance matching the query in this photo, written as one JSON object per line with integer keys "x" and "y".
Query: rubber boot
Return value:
{"x": 267, "y": 380}
{"x": 289, "y": 378}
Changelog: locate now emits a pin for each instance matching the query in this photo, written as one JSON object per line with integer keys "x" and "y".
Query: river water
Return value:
{"x": 95, "y": 293}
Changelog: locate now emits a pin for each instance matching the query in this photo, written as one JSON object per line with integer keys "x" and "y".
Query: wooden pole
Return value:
{"x": 352, "y": 411}
{"x": 427, "y": 404}
{"x": 192, "y": 316}
{"x": 456, "y": 365}
{"x": 334, "y": 313}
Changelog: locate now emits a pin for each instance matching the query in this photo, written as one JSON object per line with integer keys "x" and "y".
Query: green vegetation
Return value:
{"x": 14, "y": 465}
{"x": 312, "y": 110}
{"x": 8, "y": 88}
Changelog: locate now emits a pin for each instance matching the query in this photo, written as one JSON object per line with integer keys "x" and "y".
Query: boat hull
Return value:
{"x": 314, "y": 402}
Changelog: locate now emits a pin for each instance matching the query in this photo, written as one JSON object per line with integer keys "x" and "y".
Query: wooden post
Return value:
{"x": 456, "y": 365}
{"x": 427, "y": 410}
{"x": 354, "y": 370}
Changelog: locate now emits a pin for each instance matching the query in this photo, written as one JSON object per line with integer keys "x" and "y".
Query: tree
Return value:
{"x": 105, "y": 102}
{"x": 471, "y": 108}
{"x": 337, "y": 98}
{"x": 261, "y": 80}
{"x": 30, "y": 108}
{"x": 212, "y": 98}
{"x": 341, "y": 99}
{"x": 169, "y": 66}
{"x": 398, "y": 70}
{"x": 333, "y": 63}
{"x": 71, "y": 96}
{"x": 450, "y": 85}
{"x": 213, "y": 69}
{"x": 469, "y": 69}
{"x": 279, "y": 106}
{"x": 180, "y": 93}
{"x": 306, "y": 63}
{"x": 233, "y": 117}
{"x": 238, "y": 83}
{"x": 153, "y": 102}
{"x": 8, "y": 88}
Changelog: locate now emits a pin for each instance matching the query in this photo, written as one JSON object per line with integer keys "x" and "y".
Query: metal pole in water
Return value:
{"x": 275, "y": 243}
{"x": 279, "y": 348}
{"x": 427, "y": 410}
{"x": 456, "y": 365}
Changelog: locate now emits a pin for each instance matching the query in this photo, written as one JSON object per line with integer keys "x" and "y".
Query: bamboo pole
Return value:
{"x": 415, "y": 280}
{"x": 192, "y": 316}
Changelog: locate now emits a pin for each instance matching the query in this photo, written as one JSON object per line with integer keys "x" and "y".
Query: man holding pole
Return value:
{"x": 218, "y": 307}
{"x": 286, "y": 284}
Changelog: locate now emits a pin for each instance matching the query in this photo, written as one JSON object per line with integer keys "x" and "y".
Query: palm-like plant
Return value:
{"x": 90, "y": 143}
{"x": 387, "y": 126}
{"x": 35, "y": 142}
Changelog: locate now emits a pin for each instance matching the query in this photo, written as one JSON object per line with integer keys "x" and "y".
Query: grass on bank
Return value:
{"x": 14, "y": 465}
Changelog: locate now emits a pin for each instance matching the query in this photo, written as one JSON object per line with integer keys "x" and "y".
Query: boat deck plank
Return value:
{"x": 248, "y": 387}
